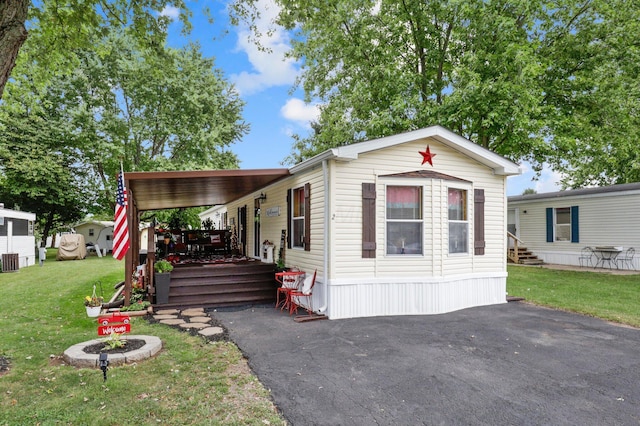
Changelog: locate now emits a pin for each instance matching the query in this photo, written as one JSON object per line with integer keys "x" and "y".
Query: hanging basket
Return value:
{"x": 93, "y": 311}
{"x": 93, "y": 304}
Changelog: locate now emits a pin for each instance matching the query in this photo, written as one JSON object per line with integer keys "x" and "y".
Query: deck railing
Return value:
{"x": 512, "y": 247}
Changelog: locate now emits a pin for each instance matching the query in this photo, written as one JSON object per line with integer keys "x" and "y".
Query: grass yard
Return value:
{"x": 191, "y": 381}
{"x": 611, "y": 297}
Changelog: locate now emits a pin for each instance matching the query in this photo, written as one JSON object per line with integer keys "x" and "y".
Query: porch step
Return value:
{"x": 526, "y": 257}
{"x": 221, "y": 285}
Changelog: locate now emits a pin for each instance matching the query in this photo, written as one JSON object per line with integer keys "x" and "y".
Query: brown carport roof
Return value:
{"x": 168, "y": 190}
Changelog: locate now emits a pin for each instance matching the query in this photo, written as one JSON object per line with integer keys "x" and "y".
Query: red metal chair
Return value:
{"x": 305, "y": 291}
{"x": 289, "y": 281}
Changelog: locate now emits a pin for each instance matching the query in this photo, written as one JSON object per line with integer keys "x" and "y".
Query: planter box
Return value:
{"x": 162, "y": 283}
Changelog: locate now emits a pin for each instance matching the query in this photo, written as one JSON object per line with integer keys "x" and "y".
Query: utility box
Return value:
{"x": 10, "y": 262}
{"x": 267, "y": 253}
{"x": 42, "y": 255}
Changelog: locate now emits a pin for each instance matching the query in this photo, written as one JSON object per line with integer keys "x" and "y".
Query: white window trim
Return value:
{"x": 556, "y": 225}
{"x": 468, "y": 190}
{"x": 422, "y": 220}
{"x": 294, "y": 218}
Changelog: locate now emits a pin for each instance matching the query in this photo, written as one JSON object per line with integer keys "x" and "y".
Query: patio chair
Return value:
{"x": 289, "y": 281}
{"x": 305, "y": 291}
{"x": 626, "y": 259}
{"x": 586, "y": 256}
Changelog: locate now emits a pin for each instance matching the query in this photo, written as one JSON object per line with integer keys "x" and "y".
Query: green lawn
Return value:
{"x": 191, "y": 381}
{"x": 611, "y": 297}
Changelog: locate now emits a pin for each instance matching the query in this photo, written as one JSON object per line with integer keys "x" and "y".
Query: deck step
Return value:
{"x": 526, "y": 257}
{"x": 221, "y": 285}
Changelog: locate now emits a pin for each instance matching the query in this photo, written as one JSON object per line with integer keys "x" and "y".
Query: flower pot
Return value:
{"x": 93, "y": 311}
{"x": 162, "y": 282}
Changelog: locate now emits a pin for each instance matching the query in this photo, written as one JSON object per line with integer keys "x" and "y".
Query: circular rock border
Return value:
{"x": 77, "y": 357}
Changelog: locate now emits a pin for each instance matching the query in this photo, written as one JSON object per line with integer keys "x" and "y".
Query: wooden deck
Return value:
{"x": 220, "y": 285}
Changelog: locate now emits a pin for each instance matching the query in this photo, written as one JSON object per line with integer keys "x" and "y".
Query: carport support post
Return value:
{"x": 134, "y": 242}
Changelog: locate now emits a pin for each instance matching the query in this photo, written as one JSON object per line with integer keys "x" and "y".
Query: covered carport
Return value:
{"x": 180, "y": 189}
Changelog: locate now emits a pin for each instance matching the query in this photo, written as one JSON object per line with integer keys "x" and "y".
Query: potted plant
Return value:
{"x": 162, "y": 280}
{"x": 93, "y": 304}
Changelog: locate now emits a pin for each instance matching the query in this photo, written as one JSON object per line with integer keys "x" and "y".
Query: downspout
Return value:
{"x": 327, "y": 222}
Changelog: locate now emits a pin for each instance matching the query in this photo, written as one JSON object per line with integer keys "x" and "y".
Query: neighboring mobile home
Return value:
{"x": 556, "y": 226}
{"x": 217, "y": 215}
{"x": 16, "y": 237}
{"x": 408, "y": 224}
{"x": 97, "y": 232}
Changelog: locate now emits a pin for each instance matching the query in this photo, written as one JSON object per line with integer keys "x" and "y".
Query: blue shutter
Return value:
{"x": 549, "y": 224}
{"x": 575, "y": 228}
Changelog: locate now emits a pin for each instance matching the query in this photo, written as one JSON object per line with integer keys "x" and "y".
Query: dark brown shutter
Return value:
{"x": 307, "y": 217}
{"x": 368, "y": 220}
{"x": 478, "y": 221}
{"x": 289, "y": 200}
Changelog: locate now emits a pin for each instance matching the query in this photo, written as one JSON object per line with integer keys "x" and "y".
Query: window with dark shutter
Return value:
{"x": 299, "y": 217}
{"x": 368, "y": 220}
{"x": 478, "y": 221}
{"x": 575, "y": 227}
{"x": 549, "y": 215}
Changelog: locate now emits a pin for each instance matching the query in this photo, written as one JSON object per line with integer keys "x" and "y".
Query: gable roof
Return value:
{"x": 499, "y": 164}
{"x": 601, "y": 190}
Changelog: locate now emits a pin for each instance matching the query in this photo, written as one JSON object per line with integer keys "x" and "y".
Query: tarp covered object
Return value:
{"x": 72, "y": 247}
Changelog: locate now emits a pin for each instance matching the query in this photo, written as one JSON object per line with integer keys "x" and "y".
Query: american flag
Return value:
{"x": 121, "y": 228}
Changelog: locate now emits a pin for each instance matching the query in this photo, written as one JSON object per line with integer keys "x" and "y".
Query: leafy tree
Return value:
{"x": 151, "y": 109}
{"x": 523, "y": 78}
{"x": 41, "y": 170}
{"x": 59, "y": 27}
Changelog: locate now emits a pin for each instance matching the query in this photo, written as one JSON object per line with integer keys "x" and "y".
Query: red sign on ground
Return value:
{"x": 107, "y": 330}
{"x": 114, "y": 323}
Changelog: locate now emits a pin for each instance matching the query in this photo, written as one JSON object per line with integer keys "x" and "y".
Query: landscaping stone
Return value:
{"x": 211, "y": 331}
{"x": 196, "y": 325}
{"x": 168, "y": 312}
{"x": 165, "y": 317}
{"x": 200, "y": 319}
{"x": 193, "y": 312}
{"x": 176, "y": 321}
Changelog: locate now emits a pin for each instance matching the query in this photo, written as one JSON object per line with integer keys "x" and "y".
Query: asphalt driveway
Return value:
{"x": 509, "y": 364}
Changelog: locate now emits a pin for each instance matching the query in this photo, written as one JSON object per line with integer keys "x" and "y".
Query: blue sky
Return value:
{"x": 265, "y": 80}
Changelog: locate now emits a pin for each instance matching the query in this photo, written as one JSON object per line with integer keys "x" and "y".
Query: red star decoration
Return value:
{"x": 427, "y": 156}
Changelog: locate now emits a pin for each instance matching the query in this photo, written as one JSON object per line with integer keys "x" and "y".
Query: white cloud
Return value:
{"x": 548, "y": 181}
{"x": 171, "y": 12}
{"x": 270, "y": 67}
{"x": 300, "y": 112}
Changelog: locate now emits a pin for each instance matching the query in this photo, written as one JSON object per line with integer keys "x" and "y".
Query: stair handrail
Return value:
{"x": 512, "y": 253}
{"x": 512, "y": 236}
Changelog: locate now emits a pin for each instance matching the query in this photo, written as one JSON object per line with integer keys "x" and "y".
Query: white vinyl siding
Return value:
{"x": 346, "y": 216}
{"x": 605, "y": 219}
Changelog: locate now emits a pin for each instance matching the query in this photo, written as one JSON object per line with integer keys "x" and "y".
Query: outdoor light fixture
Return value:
{"x": 104, "y": 364}
{"x": 262, "y": 197}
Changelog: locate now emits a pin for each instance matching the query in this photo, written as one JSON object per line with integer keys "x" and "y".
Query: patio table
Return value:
{"x": 608, "y": 255}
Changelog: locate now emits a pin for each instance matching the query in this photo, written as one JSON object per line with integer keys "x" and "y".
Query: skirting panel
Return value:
{"x": 361, "y": 299}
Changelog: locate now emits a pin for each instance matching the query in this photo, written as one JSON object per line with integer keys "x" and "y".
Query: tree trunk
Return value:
{"x": 13, "y": 14}
{"x": 47, "y": 229}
